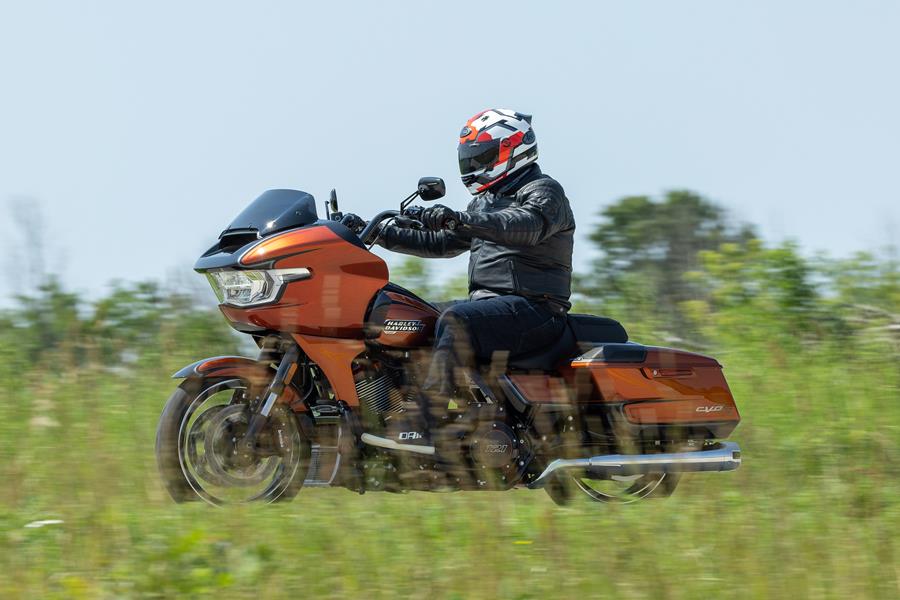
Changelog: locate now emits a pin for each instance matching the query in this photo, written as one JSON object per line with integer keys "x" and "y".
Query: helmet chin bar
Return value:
{"x": 482, "y": 181}
{"x": 477, "y": 184}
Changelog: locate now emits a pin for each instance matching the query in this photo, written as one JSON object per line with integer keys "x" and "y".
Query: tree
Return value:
{"x": 867, "y": 281}
{"x": 415, "y": 274}
{"x": 47, "y": 319}
{"x": 649, "y": 245}
{"x": 755, "y": 292}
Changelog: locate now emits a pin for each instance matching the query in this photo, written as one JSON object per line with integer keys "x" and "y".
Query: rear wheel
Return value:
{"x": 199, "y": 451}
{"x": 624, "y": 489}
{"x": 564, "y": 488}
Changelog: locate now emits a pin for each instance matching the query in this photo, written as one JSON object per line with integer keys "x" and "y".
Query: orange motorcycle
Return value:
{"x": 341, "y": 353}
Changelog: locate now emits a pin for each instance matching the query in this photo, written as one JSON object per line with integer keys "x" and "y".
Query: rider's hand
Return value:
{"x": 353, "y": 222}
{"x": 414, "y": 212}
{"x": 438, "y": 216}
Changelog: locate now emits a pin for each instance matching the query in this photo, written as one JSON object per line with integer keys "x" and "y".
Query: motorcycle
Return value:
{"x": 332, "y": 397}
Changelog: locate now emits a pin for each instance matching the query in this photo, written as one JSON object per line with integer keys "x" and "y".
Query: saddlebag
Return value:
{"x": 660, "y": 386}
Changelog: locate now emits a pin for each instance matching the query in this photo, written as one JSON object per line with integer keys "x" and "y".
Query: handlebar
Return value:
{"x": 411, "y": 217}
{"x": 375, "y": 222}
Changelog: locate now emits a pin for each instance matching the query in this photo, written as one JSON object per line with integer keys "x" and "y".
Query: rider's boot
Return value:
{"x": 414, "y": 427}
{"x": 425, "y": 419}
{"x": 411, "y": 427}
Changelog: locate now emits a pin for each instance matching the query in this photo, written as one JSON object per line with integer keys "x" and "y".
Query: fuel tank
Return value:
{"x": 399, "y": 319}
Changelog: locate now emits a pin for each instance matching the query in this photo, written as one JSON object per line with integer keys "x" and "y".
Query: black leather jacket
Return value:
{"x": 520, "y": 237}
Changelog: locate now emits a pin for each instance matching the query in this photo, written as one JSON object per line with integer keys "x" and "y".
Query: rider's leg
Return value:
{"x": 472, "y": 330}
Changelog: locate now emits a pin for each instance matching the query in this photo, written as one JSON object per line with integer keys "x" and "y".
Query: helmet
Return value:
{"x": 493, "y": 144}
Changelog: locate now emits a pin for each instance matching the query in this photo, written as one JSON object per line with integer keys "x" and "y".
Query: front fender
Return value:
{"x": 258, "y": 374}
{"x": 228, "y": 366}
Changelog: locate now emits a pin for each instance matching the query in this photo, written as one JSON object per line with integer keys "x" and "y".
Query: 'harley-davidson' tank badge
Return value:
{"x": 403, "y": 326}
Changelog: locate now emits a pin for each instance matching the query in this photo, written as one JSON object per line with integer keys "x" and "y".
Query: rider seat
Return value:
{"x": 581, "y": 333}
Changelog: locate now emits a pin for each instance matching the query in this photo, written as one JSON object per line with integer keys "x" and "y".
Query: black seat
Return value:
{"x": 581, "y": 333}
{"x": 591, "y": 330}
{"x": 548, "y": 357}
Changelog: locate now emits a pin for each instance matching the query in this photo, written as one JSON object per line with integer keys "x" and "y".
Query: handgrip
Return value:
{"x": 451, "y": 224}
{"x": 408, "y": 223}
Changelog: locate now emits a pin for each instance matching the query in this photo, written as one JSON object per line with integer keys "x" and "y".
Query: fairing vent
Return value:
{"x": 231, "y": 241}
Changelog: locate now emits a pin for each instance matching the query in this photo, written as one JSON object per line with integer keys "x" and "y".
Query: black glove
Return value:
{"x": 414, "y": 212}
{"x": 353, "y": 222}
{"x": 439, "y": 217}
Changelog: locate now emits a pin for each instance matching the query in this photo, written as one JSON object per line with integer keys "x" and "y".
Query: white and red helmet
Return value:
{"x": 492, "y": 145}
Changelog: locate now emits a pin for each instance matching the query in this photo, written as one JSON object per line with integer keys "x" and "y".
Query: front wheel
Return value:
{"x": 199, "y": 450}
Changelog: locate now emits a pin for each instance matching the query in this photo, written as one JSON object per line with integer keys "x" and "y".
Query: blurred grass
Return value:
{"x": 813, "y": 513}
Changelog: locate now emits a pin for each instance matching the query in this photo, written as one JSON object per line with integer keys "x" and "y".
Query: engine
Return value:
{"x": 498, "y": 455}
{"x": 379, "y": 394}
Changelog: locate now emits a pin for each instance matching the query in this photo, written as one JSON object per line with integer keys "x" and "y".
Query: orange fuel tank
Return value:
{"x": 408, "y": 323}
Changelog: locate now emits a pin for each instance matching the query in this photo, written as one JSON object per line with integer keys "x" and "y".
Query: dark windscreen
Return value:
{"x": 276, "y": 210}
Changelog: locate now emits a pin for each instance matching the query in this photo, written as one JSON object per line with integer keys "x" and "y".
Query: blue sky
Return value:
{"x": 141, "y": 129}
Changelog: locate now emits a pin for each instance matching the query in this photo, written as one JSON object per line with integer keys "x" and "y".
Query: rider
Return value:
{"x": 519, "y": 231}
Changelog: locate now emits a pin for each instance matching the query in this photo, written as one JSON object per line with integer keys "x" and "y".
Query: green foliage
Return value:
{"x": 648, "y": 245}
{"x": 866, "y": 281}
{"x": 134, "y": 321}
{"x": 810, "y": 349}
{"x": 414, "y": 274}
{"x": 48, "y": 319}
{"x": 767, "y": 289}
{"x": 417, "y": 275}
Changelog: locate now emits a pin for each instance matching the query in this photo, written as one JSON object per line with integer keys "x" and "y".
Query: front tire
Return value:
{"x": 196, "y": 444}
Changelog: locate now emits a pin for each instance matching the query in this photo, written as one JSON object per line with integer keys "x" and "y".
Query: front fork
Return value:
{"x": 260, "y": 415}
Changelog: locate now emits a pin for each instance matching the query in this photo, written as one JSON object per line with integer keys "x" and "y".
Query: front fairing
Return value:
{"x": 272, "y": 213}
{"x": 228, "y": 251}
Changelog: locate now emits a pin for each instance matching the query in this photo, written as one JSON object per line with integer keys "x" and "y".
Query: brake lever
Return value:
{"x": 408, "y": 223}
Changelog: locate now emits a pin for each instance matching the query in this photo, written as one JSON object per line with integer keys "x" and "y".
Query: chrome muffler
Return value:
{"x": 725, "y": 456}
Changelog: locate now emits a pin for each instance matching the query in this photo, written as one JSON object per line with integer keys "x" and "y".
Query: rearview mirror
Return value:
{"x": 431, "y": 188}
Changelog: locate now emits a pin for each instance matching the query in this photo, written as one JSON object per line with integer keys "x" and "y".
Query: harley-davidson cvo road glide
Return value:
{"x": 341, "y": 355}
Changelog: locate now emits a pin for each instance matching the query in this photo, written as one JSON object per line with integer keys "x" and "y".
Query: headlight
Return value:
{"x": 248, "y": 288}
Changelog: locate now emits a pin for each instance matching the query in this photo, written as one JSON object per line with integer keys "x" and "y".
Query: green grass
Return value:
{"x": 813, "y": 513}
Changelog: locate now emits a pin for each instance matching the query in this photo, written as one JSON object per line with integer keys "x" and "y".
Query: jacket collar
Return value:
{"x": 529, "y": 174}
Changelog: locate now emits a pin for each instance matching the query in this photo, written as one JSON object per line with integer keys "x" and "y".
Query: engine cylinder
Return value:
{"x": 379, "y": 394}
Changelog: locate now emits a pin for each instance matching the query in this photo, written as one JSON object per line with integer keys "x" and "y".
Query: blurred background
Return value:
{"x": 732, "y": 168}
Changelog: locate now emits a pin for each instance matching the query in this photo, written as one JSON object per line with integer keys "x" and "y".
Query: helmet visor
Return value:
{"x": 477, "y": 156}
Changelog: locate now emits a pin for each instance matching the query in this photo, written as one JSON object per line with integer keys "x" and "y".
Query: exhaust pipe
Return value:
{"x": 724, "y": 457}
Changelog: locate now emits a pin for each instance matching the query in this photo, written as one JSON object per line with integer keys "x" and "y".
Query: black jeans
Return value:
{"x": 470, "y": 330}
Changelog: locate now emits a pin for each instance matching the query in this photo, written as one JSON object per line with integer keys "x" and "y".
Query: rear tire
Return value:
{"x": 626, "y": 490}
{"x": 559, "y": 488}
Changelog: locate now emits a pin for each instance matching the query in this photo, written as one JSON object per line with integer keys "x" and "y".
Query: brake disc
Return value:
{"x": 226, "y": 460}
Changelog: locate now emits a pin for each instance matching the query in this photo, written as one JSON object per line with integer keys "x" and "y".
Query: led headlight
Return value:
{"x": 248, "y": 288}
